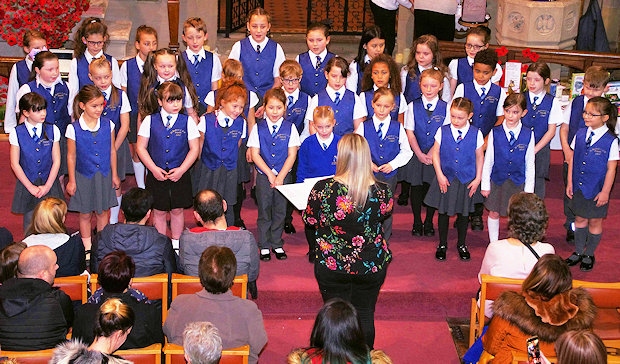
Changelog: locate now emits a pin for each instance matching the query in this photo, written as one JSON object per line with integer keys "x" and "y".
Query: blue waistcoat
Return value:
{"x": 383, "y": 150}
{"x": 412, "y": 86}
{"x": 343, "y": 112}
{"x": 221, "y": 146}
{"x": 576, "y": 118}
{"x": 35, "y": 158}
{"x": 82, "y": 70}
{"x": 590, "y": 164}
{"x": 464, "y": 72}
{"x": 92, "y": 149}
{"x": 484, "y": 110}
{"x": 274, "y": 151}
{"x": 201, "y": 75}
{"x": 23, "y": 72}
{"x": 458, "y": 160}
{"x": 114, "y": 112}
{"x": 426, "y": 126}
{"x": 57, "y": 112}
{"x": 134, "y": 76}
{"x": 297, "y": 113}
{"x": 258, "y": 67}
{"x": 314, "y": 79}
{"x": 509, "y": 160}
{"x": 168, "y": 148}
{"x": 537, "y": 120}
{"x": 369, "y": 96}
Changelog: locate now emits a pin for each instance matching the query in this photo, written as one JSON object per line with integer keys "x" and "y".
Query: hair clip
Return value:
{"x": 94, "y": 21}
{"x": 435, "y": 68}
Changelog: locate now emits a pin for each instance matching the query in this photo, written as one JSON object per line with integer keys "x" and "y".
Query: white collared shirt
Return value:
{"x": 499, "y": 110}
{"x": 235, "y": 53}
{"x": 70, "y": 133}
{"x": 13, "y": 140}
{"x": 254, "y": 141}
{"x": 405, "y": 153}
{"x": 220, "y": 116}
{"x": 145, "y": 127}
{"x": 123, "y": 71}
{"x": 409, "y": 123}
{"x": 454, "y": 65}
{"x": 598, "y": 134}
{"x": 313, "y": 56}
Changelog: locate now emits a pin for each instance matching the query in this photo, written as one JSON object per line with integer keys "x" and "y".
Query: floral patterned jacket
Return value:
{"x": 350, "y": 240}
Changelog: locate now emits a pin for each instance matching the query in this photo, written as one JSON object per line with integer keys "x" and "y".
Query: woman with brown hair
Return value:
{"x": 348, "y": 212}
{"x": 547, "y": 306}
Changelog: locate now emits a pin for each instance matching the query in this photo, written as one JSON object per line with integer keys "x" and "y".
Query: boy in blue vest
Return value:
{"x": 131, "y": 74}
{"x": 204, "y": 68}
{"x": 594, "y": 84}
{"x": 388, "y": 142}
{"x": 273, "y": 143}
{"x": 296, "y": 106}
{"x": 488, "y": 100}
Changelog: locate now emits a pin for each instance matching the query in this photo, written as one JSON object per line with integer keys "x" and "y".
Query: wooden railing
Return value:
{"x": 579, "y": 60}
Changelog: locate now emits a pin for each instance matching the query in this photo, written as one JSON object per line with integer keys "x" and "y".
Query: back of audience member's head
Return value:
{"x": 549, "y": 277}
{"x": 136, "y": 203}
{"x": 217, "y": 269}
{"x": 115, "y": 272}
{"x": 209, "y": 205}
{"x": 582, "y": 347}
{"x": 113, "y": 316}
{"x": 48, "y": 217}
{"x": 527, "y": 217}
{"x": 337, "y": 334}
{"x": 380, "y": 357}
{"x": 37, "y": 261}
{"x": 202, "y": 343}
{"x": 9, "y": 256}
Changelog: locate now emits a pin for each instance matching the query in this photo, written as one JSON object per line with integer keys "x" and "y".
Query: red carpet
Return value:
{"x": 419, "y": 293}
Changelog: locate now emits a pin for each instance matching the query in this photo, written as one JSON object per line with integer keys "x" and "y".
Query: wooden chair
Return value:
{"x": 490, "y": 288}
{"x": 174, "y": 354}
{"x": 182, "y": 284}
{"x": 148, "y": 355}
{"x": 30, "y": 357}
{"x": 521, "y": 357}
{"x": 606, "y": 297}
{"x": 155, "y": 287}
{"x": 76, "y": 287}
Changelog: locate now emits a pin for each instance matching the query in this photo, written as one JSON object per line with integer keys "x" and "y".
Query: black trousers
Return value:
{"x": 430, "y": 22}
{"x": 361, "y": 290}
{"x": 386, "y": 21}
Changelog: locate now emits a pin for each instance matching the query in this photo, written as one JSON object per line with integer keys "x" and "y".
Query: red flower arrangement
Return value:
{"x": 531, "y": 55}
{"x": 53, "y": 18}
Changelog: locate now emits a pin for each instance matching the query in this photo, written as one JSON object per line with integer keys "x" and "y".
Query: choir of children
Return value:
{"x": 427, "y": 125}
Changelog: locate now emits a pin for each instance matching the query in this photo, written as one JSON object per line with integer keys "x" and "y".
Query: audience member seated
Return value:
{"x": 336, "y": 337}
{"x": 514, "y": 257}
{"x": 547, "y": 306}
{"x": 114, "y": 275}
{"x": 113, "y": 324}
{"x": 6, "y": 238}
{"x": 151, "y": 250}
{"x": 48, "y": 228}
{"x": 202, "y": 343}
{"x": 582, "y": 347}
{"x": 33, "y": 314}
{"x": 239, "y": 321}
{"x": 209, "y": 211}
{"x": 9, "y": 256}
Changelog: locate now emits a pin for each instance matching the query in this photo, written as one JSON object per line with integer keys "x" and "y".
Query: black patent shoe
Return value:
{"x": 280, "y": 253}
{"x": 587, "y": 263}
{"x": 429, "y": 230}
{"x": 403, "y": 200}
{"x": 463, "y": 252}
{"x": 574, "y": 259}
{"x": 289, "y": 228}
{"x": 417, "y": 230}
{"x": 476, "y": 223}
{"x": 265, "y": 257}
{"x": 440, "y": 253}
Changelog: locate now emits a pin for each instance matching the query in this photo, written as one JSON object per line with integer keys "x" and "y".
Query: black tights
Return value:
{"x": 417, "y": 195}
{"x": 461, "y": 228}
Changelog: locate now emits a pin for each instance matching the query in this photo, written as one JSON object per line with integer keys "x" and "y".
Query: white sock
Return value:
{"x": 493, "y": 226}
{"x": 115, "y": 210}
{"x": 138, "y": 169}
{"x": 175, "y": 244}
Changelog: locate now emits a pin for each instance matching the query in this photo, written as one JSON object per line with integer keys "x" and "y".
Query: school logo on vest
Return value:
{"x": 520, "y": 147}
{"x": 177, "y": 132}
{"x": 542, "y": 113}
{"x": 491, "y": 99}
{"x": 334, "y": 160}
{"x": 437, "y": 119}
{"x": 235, "y": 134}
{"x": 281, "y": 136}
{"x": 597, "y": 151}
{"x": 391, "y": 138}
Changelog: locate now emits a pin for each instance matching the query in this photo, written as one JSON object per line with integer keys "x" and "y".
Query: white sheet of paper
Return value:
{"x": 297, "y": 193}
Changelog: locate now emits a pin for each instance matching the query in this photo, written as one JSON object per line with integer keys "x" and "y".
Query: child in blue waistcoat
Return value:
{"x": 313, "y": 62}
{"x": 591, "y": 175}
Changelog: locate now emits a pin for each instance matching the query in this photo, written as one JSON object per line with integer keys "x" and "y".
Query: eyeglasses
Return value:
{"x": 473, "y": 47}
{"x": 290, "y": 81}
{"x": 587, "y": 115}
{"x": 96, "y": 44}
